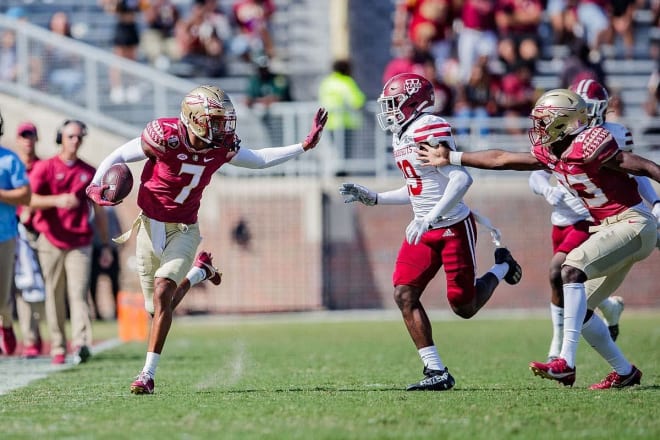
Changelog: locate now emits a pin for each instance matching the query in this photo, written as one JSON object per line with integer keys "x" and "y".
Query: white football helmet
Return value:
{"x": 404, "y": 97}
{"x": 557, "y": 113}
{"x": 596, "y": 97}
{"x": 208, "y": 112}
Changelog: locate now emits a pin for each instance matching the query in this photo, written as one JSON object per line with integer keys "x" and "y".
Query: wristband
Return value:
{"x": 455, "y": 157}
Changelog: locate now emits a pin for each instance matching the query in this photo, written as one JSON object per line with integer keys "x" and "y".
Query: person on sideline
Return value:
{"x": 14, "y": 191}
{"x": 182, "y": 154}
{"x": 30, "y": 293}
{"x": 443, "y": 230}
{"x": 64, "y": 246}
{"x": 590, "y": 164}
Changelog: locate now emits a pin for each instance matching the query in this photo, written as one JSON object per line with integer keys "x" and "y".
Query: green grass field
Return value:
{"x": 256, "y": 379}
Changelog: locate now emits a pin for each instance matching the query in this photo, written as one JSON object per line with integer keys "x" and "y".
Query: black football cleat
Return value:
{"x": 513, "y": 276}
{"x": 434, "y": 380}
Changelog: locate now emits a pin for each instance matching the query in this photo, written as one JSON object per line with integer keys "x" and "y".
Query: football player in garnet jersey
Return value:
{"x": 443, "y": 230}
{"x": 591, "y": 165}
{"x": 182, "y": 154}
{"x": 571, "y": 220}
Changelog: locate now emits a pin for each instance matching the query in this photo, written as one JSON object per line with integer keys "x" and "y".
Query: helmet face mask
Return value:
{"x": 209, "y": 114}
{"x": 557, "y": 114}
{"x": 403, "y": 98}
{"x": 596, "y": 98}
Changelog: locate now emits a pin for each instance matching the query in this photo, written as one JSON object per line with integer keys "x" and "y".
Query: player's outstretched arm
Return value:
{"x": 631, "y": 163}
{"x": 486, "y": 159}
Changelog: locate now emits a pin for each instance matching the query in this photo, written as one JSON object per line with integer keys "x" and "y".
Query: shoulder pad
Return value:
{"x": 593, "y": 143}
{"x": 161, "y": 134}
{"x": 432, "y": 129}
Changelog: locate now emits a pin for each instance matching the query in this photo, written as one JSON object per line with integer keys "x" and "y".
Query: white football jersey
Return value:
{"x": 426, "y": 185}
{"x": 572, "y": 209}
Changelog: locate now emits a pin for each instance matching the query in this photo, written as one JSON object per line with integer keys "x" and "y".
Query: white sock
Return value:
{"x": 596, "y": 334}
{"x": 575, "y": 309}
{"x": 151, "y": 363}
{"x": 557, "y": 317}
{"x": 196, "y": 275}
{"x": 431, "y": 358}
{"x": 499, "y": 270}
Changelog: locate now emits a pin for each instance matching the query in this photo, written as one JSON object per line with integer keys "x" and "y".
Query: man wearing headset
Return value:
{"x": 64, "y": 246}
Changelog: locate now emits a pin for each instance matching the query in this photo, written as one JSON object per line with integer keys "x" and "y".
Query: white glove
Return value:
{"x": 358, "y": 193}
{"x": 416, "y": 229}
{"x": 553, "y": 195}
{"x": 656, "y": 212}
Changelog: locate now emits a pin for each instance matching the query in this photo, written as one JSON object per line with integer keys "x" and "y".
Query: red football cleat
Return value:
{"x": 204, "y": 260}
{"x": 615, "y": 380}
{"x": 143, "y": 384}
{"x": 7, "y": 340}
{"x": 557, "y": 369}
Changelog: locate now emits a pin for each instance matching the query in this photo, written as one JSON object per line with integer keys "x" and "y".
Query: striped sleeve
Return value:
{"x": 434, "y": 133}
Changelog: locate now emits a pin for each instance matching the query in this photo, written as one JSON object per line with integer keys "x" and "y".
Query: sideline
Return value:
{"x": 17, "y": 372}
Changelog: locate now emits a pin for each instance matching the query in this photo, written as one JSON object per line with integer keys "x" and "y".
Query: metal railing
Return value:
{"x": 39, "y": 54}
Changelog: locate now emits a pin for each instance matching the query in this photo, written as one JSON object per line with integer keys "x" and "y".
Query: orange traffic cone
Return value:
{"x": 132, "y": 319}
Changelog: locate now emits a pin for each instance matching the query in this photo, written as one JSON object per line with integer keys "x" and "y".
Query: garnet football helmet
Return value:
{"x": 208, "y": 112}
{"x": 557, "y": 113}
{"x": 404, "y": 97}
{"x": 596, "y": 97}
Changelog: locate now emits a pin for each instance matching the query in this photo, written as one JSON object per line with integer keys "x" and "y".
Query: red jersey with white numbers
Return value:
{"x": 65, "y": 228}
{"x": 605, "y": 192}
{"x": 172, "y": 184}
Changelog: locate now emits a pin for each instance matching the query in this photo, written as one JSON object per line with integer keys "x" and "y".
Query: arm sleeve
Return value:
{"x": 395, "y": 197}
{"x": 539, "y": 181}
{"x": 646, "y": 190}
{"x": 459, "y": 183}
{"x": 131, "y": 151}
{"x": 265, "y": 157}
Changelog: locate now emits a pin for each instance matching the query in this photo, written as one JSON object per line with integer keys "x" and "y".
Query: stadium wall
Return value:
{"x": 310, "y": 251}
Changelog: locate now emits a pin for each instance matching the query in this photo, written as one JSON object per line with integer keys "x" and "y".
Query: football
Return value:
{"x": 120, "y": 182}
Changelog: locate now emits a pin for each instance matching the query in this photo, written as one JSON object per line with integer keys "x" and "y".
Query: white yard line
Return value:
{"x": 16, "y": 372}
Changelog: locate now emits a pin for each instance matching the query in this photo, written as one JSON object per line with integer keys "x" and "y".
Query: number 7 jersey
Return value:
{"x": 426, "y": 185}
{"x": 172, "y": 184}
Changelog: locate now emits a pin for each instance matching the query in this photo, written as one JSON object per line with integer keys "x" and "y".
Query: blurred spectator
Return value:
{"x": 30, "y": 292}
{"x": 563, "y": 20}
{"x": 10, "y": 70}
{"x": 65, "y": 70}
{"x": 579, "y": 65}
{"x": 125, "y": 43}
{"x": 594, "y": 20}
{"x": 516, "y": 97}
{"x": 102, "y": 264}
{"x": 157, "y": 40}
{"x": 253, "y": 19}
{"x": 344, "y": 100}
{"x": 201, "y": 49}
{"x": 264, "y": 88}
{"x": 427, "y": 25}
{"x": 518, "y": 21}
{"x": 475, "y": 100}
{"x": 477, "y": 39}
{"x": 410, "y": 60}
{"x": 14, "y": 191}
{"x": 623, "y": 12}
{"x": 444, "y": 95}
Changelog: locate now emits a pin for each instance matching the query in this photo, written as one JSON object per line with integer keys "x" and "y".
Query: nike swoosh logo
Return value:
{"x": 208, "y": 159}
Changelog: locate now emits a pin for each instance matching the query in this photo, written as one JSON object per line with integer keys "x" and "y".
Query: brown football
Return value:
{"x": 120, "y": 181}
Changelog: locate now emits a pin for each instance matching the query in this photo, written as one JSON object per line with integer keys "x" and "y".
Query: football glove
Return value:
{"x": 416, "y": 229}
{"x": 358, "y": 193}
{"x": 553, "y": 195}
{"x": 314, "y": 135}
{"x": 95, "y": 192}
